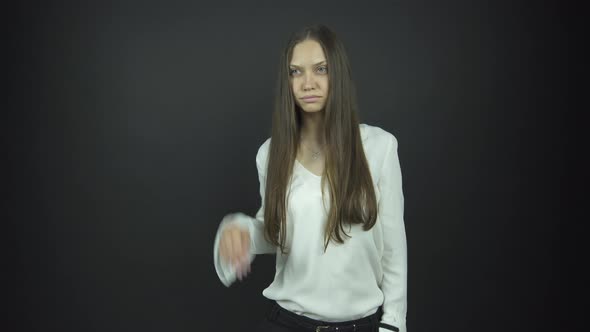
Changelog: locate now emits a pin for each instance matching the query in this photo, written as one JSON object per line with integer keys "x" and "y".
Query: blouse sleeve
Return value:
{"x": 255, "y": 225}
{"x": 394, "y": 260}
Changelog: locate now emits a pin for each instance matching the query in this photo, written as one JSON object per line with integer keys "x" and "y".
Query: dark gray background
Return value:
{"x": 138, "y": 124}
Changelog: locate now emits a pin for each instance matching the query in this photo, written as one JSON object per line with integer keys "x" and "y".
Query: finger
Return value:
{"x": 230, "y": 248}
{"x": 222, "y": 249}
{"x": 242, "y": 271}
{"x": 245, "y": 244}
{"x": 225, "y": 248}
{"x": 236, "y": 248}
{"x": 225, "y": 245}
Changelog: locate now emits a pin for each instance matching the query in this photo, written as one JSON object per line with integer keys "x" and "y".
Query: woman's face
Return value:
{"x": 309, "y": 76}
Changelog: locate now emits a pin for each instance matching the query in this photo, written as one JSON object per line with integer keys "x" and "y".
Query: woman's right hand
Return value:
{"x": 234, "y": 248}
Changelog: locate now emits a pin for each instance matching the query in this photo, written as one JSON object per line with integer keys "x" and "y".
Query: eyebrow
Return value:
{"x": 315, "y": 64}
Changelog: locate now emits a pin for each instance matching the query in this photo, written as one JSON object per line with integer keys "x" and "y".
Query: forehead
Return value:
{"x": 307, "y": 53}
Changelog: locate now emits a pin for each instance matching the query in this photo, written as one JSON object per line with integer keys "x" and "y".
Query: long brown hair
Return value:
{"x": 352, "y": 196}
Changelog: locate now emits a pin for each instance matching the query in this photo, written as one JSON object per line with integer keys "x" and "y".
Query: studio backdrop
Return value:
{"x": 139, "y": 126}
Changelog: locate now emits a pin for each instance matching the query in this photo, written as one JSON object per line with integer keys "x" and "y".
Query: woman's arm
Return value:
{"x": 255, "y": 226}
{"x": 394, "y": 260}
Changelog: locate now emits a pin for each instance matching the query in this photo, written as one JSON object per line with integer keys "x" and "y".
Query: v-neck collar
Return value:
{"x": 306, "y": 170}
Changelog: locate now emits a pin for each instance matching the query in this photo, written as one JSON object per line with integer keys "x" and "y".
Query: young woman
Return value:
{"x": 332, "y": 204}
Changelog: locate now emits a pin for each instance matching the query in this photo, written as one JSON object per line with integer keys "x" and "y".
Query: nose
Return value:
{"x": 308, "y": 82}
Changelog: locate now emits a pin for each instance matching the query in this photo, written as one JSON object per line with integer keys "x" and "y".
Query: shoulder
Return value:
{"x": 263, "y": 148}
{"x": 262, "y": 154}
{"x": 380, "y": 148}
{"x": 377, "y": 137}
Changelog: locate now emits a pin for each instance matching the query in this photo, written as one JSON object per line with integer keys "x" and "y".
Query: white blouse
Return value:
{"x": 351, "y": 280}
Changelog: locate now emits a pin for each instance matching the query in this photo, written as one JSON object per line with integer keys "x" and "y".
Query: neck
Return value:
{"x": 312, "y": 128}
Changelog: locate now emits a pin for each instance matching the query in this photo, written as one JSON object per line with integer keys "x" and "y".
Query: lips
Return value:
{"x": 310, "y": 99}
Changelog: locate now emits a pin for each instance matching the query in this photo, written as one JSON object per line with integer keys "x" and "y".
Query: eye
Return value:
{"x": 324, "y": 68}
{"x": 291, "y": 71}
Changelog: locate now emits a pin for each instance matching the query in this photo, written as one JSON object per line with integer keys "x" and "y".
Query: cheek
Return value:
{"x": 325, "y": 84}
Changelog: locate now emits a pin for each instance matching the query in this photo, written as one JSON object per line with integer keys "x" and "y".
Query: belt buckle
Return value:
{"x": 319, "y": 328}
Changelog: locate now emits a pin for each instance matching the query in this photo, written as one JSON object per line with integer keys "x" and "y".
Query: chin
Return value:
{"x": 312, "y": 109}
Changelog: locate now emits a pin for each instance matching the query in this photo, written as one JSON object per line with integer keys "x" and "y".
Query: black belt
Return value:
{"x": 302, "y": 323}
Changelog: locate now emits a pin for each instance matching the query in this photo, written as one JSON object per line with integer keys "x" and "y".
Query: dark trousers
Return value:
{"x": 279, "y": 319}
